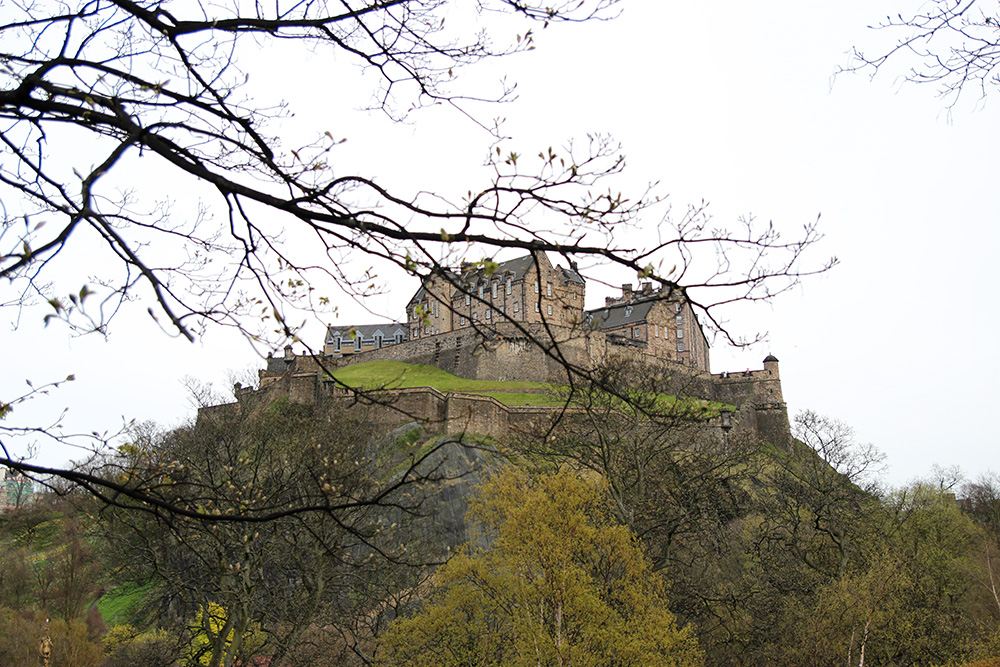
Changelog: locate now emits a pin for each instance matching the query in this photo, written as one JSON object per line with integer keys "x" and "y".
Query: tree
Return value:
{"x": 267, "y": 587}
{"x": 953, "y": 44}
{"x": 551, "y": 580}
{"x": 674, "y": 478}
{"x": 93, "y": 88}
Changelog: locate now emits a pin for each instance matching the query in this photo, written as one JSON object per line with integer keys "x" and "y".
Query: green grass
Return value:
{"x": 397, "y": 375}
{"x": 120, "y": 604}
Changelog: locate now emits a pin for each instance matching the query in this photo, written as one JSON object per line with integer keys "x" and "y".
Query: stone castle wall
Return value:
{"x": 504, "y": 352}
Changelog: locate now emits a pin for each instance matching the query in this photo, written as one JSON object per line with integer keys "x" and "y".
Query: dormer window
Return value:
{"x": 628, "y": 311}
{"x": 480, "y": 291}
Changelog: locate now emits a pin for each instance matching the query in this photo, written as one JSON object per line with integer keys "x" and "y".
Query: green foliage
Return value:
{"x": 550, "y": 581}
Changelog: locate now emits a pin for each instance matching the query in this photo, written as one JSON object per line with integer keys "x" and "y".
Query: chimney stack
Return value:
{"x": 627, "y": 292}
{"x": 289, "y": 355}
{"x": 647, "y": 289}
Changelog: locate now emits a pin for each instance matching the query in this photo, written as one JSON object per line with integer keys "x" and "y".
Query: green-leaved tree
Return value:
{"x": 551, "y": 580}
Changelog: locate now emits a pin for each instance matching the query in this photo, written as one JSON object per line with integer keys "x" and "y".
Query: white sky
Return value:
{"x": 726, "y": 101}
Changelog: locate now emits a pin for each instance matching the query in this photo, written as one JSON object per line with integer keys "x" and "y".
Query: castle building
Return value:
{"x": 531, "y": 290}
{"x": 347, "y": 340}
{"x": 527, "y": 289}
{"x": 661, "y": 323}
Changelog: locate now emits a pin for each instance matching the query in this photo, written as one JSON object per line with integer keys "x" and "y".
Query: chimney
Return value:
{"x": 627, "y": 292}
{"x": 609, "y": 301}
{"x": 573, "y": 265}
{"x": 289, "y": 355}
{"x": 647, "y": 289}
{"x": 467, "y": 266}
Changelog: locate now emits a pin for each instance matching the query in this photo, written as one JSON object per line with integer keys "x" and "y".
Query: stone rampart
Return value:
{"x": 504, "y": 352}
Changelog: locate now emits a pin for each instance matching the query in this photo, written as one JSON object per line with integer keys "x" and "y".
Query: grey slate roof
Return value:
{"x": 366, "y": 331}
{"x": 515, "y": 269}
{"x": 621, "y": 314}
{"x": 421, "y": 294}
{"x": 572, "y": 275}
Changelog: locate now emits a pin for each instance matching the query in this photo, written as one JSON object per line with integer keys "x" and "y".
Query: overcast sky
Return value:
{"x": 729, "y": 102}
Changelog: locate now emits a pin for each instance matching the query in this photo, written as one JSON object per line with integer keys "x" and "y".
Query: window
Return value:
{"x": 357, "y": 343}
{"x": 475, "y": 317}
{"x": 336, "y": 344}
{"x": 628, "y": 311}
{"x": 677, "y": 307}
{"x": 427, "y": 328}
{"x": 508, "y": 285}
{"x": 536, "y": 306}
{"x": 399, "y": 336}
{"x": 635, "y": 332}
{"x": 468, "y": 298}
{"x": 548, "y": 289}
{"x": 378, "y": 340}
{"x": 656, "y": 331}
{"x": 536, "y": 287}
{"x": 516, "y": 304}
{"x": 462, "y": 320}
{"x": 480, "y": 291}
{"x": 489, "y": 314}
{"x": 550, "y": 309}
{"x": 680, "y": 346}
{"x": 680, "y": 333}
{"x": 680, "y": 320}
{"x": 494, "y": 290}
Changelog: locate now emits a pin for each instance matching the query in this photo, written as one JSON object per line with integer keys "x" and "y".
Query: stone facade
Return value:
{"x": 528, "y": 289}
{"x": 661, "y": 323}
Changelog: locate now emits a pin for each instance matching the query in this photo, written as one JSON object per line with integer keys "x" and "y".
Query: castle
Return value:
{"x": 524, "y": 319}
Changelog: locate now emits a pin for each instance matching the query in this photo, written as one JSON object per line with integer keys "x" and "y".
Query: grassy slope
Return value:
{"x": 397, "y": 375}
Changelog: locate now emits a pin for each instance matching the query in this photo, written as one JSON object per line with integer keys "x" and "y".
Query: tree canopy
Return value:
{"x": 551, "y": 580}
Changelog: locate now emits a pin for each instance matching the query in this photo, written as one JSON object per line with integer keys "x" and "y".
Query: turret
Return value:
{"x": 771, "y": 366}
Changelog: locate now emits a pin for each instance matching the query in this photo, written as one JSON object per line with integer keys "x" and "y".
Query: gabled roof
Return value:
{"x": 620, "y": 314}
{"x": 515, "y": 269}
{"x": 366, "y": 331}
{"x": 572, "y": 275}
{"x": 449, "y": 276}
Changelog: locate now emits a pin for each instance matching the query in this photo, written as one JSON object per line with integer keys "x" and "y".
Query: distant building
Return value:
{"x": 16, "y": 490}
{"x": 348, "y": 340}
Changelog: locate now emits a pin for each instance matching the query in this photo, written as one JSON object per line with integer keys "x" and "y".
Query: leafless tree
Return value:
{"x": 953, "y": 45}
{"x": 118, "y": 83}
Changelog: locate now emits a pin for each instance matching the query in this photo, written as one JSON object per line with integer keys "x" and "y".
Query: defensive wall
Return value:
{"x": 538, "y": 353}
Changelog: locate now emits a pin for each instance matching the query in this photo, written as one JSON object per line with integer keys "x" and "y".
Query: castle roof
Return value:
{"x": 366, "y": 331}
{"x": 620, "y": 314}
